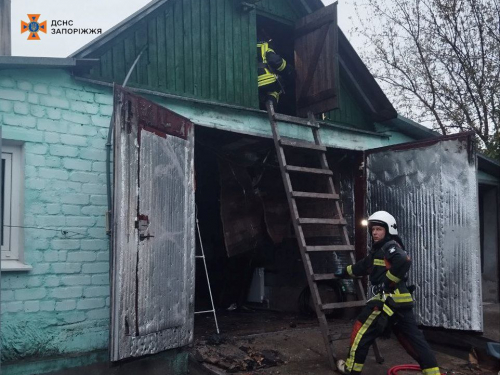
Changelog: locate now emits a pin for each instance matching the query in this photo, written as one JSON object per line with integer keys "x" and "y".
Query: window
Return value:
{"x": 11, "y": 235}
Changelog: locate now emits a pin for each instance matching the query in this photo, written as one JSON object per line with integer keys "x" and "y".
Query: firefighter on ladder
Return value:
{"x": 391, "y": 308}
{"x": 271, "y": 67}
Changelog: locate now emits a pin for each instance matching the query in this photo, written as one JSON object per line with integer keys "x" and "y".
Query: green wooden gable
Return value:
{"x": 287, "y": 11}
{"x": 202, "y": 49}
{"x": 196, "y": 48}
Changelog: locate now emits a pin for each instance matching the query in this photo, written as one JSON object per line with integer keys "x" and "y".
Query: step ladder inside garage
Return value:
{"x": 328, "y": 216}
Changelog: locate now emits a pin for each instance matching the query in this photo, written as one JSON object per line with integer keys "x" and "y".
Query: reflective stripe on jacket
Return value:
{"x": 268, "y": 61}
{"x": 387, "y": 265}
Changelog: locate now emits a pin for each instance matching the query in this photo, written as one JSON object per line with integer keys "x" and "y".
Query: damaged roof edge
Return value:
{"x": 19, "y": 62}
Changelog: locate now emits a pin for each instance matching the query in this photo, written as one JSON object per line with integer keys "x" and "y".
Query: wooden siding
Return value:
{"x": 285, "y": 9}
{"x": 349, "y": 112}
{"x": 199, "y": 48}
{"x": 205, "y": 49}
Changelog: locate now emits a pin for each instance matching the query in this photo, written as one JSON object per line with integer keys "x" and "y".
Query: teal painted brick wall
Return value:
{"x": 62, "y": 305}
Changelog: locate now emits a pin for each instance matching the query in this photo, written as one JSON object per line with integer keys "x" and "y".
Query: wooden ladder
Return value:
{"x": 336, "y": 220}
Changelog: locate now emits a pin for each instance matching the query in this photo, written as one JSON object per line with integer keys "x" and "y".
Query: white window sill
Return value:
{"x": 14, "y": 265}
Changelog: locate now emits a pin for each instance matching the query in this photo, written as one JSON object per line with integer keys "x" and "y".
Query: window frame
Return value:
{"x": 12, "y": 254}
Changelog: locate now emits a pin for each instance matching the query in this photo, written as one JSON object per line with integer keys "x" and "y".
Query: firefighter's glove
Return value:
{"x": 342, "y": 273}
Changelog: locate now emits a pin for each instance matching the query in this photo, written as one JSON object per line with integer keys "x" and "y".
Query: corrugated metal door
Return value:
{"x": 431, "y": 189}
{"x": 153, "y": 231}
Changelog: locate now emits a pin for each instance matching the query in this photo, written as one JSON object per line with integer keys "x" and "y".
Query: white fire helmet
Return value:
{"x": 384, "y": 219}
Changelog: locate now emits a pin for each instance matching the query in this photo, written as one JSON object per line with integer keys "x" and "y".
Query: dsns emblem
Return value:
{"x": 33, "y": 27}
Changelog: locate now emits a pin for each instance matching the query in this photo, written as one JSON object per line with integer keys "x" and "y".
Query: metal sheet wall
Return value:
{"x": 432, "y": 192}
{"x": 164, "y": 197}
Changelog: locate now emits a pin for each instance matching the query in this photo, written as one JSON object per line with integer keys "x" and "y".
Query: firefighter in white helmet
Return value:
{"x": 387, "y": 265}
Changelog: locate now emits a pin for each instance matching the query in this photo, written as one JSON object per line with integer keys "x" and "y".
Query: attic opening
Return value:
{"x": 254, "y": 264}
{"x": 280, "y": 38}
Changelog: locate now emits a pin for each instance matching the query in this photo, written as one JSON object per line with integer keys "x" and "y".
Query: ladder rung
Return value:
{"x": 204, "y": 312}
{"x": 329, "y": 276}
{"x": 295, "y": 120}
{"x": 342, "y": 305}
{"x": 292, "y": 168}
{"x": 308, "y": 145}
{"x": 305, "y": 194}
{"x": 322, "y": 221}
{"x": 330, "y": 248}
{"x": 324, "y": 276}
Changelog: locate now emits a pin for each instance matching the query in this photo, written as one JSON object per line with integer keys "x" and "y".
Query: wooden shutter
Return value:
{"x": 153, "y": 230}
{"x": 316, "y": 61}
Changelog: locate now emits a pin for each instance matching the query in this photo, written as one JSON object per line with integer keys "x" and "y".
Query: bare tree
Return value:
{"x": 439, "y": 61}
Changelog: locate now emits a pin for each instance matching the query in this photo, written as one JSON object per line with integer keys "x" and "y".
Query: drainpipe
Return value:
{"x": 1, "y": 216}
{"x": 5, "y": 37}
{"x": 4, "y": 51}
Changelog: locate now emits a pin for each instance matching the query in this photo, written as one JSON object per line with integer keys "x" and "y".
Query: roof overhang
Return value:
{"x": 411, "y": 128}
{"x": 24, "y": 62}
{"x": 488, "y": 165}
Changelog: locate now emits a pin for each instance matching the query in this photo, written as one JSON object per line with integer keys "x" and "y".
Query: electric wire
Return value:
{"x": 64, "y": 232}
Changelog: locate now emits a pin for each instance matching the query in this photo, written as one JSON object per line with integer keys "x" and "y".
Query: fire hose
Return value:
{"x": 395, "y": 370}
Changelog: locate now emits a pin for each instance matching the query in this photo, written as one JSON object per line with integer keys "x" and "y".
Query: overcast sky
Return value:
{"x": 90, "y": 14}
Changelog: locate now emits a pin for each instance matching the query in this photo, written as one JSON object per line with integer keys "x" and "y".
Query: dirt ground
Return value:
{"x": 299, "y": 347}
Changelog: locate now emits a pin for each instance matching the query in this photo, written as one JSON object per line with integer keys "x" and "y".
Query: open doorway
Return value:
{"x": 280, "y": 37}
{"x": 490, "y": 262}
{"x": 255, "y": 268}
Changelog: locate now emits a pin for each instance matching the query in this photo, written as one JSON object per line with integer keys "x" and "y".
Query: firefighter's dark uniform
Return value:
{"x": 270, "y": 65}
{"x": 387, "y": 265}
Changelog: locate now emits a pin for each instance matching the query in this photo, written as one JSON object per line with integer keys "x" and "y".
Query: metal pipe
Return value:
{"x": 5, "y": 34}
{"x": 133, "y": 65}
{"x": 108, "y": 148}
